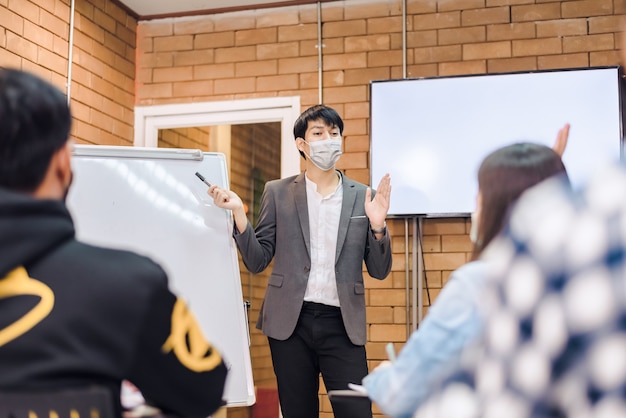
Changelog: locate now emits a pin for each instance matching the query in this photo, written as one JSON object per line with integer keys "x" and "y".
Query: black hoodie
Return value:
{"x": 73, "y": 315}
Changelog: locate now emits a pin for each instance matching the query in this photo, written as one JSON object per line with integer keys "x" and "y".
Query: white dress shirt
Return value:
{"x": 324, "y": 212}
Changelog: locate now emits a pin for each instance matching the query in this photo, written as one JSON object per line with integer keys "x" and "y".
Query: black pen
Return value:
{"x": 205, "y": 181}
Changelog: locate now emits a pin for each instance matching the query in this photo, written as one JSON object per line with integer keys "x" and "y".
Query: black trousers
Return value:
{"x": 319, "y": 344}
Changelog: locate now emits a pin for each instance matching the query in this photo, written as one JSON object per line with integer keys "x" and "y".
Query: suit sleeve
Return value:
{"x": 378, "y": 255}
{"x": 257, "y": 246}
{"x": 174, "y": 366}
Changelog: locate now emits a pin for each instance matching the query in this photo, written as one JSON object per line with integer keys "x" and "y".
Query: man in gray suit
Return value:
{"x": 319, "y": 227}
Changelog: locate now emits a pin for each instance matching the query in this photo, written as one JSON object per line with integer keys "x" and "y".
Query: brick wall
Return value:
{"x": 273, "y": 52}
{"x": 34, "y": 36}
{"x": 193, "y": 137}
{"x": 118, "y": 63}
{"x": 247, "y": 54}
{"x": 103, "y": 73}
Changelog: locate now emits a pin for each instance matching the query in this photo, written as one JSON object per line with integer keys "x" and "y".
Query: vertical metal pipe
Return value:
{"x": 404, "y": 64}
{"x": 319, "y": 51}
{"x": 414, "y": 269}
{"x": 407, "y": 286}
{"x": 70, "y": 54}
{"x": 420, "y": 270}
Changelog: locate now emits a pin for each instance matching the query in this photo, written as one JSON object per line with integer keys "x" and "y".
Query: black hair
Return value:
{"x": 35, "y": 122}
{"x": 317, "y": 112}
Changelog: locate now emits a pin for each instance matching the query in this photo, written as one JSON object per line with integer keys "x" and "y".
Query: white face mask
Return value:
{"x": 325, "y": 153}
{"x": 473, "y": 234}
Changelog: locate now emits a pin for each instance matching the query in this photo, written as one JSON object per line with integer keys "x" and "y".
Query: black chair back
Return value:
{"x": 93, "y": 402}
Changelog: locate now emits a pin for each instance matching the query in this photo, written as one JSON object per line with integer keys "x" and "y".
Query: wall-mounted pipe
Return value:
{"x": 320, "y": 46}
{"x": 404, "y": 65}
{"x": 69, "y": 54}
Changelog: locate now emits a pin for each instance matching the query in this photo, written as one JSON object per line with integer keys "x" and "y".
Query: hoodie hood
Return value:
{"x": 30, "y": 228}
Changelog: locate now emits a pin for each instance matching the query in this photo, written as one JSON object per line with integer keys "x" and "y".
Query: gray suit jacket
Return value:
{"x": 282, "y": 233}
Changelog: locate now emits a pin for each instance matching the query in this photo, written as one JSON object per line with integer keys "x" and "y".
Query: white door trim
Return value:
{"x": 149, "y": 119}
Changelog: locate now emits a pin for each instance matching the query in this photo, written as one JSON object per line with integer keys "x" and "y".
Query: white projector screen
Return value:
{"x": 431, "y": 134}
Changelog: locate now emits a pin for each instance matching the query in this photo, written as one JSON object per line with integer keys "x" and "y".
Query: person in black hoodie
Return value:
{"x": 75, "y": 315}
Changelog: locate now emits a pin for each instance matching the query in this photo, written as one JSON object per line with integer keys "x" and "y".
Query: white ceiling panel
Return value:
{"x": 155, "y": 8}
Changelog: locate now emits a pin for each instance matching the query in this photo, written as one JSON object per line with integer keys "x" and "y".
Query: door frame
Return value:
{"x": 149, "y": 119}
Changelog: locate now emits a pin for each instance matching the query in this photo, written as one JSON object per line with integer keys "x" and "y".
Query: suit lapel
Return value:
{"x": 347, "y": 206}
{"x": 298, "y": 189}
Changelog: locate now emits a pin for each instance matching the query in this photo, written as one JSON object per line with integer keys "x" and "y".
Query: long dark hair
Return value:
{"x": 503, "y": 176}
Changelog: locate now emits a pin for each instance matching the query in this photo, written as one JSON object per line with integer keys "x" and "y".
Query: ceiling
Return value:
{"x": 148, "y": 9}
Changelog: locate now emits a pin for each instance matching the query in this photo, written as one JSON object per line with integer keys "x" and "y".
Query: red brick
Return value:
{"x": 438, "y": 54}
{"x": 52, "y": 61}
{"x": 234, "y": 85}
{"x": 54, "y": 24}
{"x": 605, "y": 58}
{"x": 494, "y": 3}
{"x": 12, "y": 21}
{"x": 586, "y": 8}
{"x": 236, "y": 54}
{"x": 344, "y": 28}
{"x": 256, "y": 36}
{"x": 357, "y": 143}
{"x": 193, "y": 88}
{"x": 345, "y": 61}
{"x": 163, "y": 75}
{"x": 346, "y": 95}
{"x": 21, "y": 47}
{"x": 449, "y": 5}
{"x": 536, "y": 12}
{"x": 562, "y": 27}
{"x": 256, "y": 68}
{"x": 194, "y": 25}
{"x": 237, "y": 21}
{"x": 214, "y": 71}
{"x": 487, "y": 16}
{"x": 155, "y": 28}
{"x": 367, "y": 43}
{"x": 384, "y": 25}
{"x": 173, "y": 43}
{"x": 26, "y": 9}
{"x": 297, "y": 32}
{"x": 547, "y": 46}
{"x": 104, "y": 20}
{"x": 384, "y": 58}
{"x": 297, "y": 65}
{"x": 329, "y": 47}
{"x": 277, "y": 82}
{"x": 126, "y": 35}
{"x": 505, "y": 65}
{"x": 509, "y": 31}
{"x": 437, "y": 21}
{"x": 605, "y": 24}
{"x": 366, "y": 75}
{"x": 444, "y": 261}
{"x": 463, "y": 67}
{"x": 422, "y": 6}
{"x": 588, "y": 43}
{"x": 194, "y": 57}
{"x": 421, "y": 39}
{"x": 285, "y": 17}
{"x": 214, "y": 40}
{"x": 38, "y": 35}
{"x": 277, "y": 50}
{"x": 562, "y": 61}
{"x": 462, "y": 35}
{"x": 500, "y": 49}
